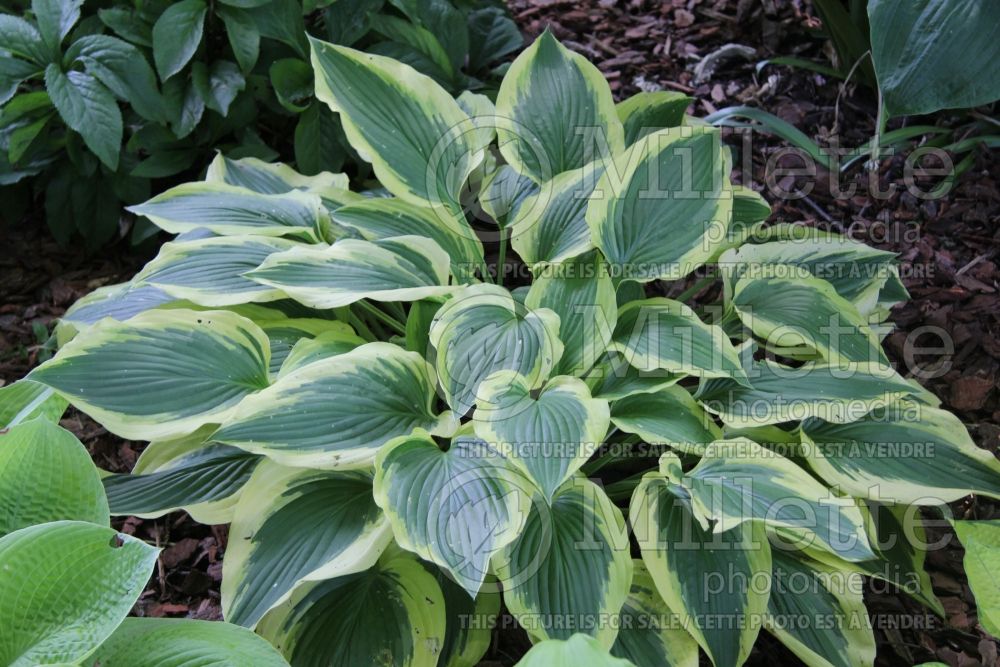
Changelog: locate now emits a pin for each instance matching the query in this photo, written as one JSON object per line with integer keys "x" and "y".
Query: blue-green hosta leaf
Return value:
{"x": 88, "y": 108}
{"x": 750, "y": 210}
{"x": 548, "y": 435}
{"x": 161, "y": 373}
{"x": 648, "y": 635}
{"x": 269, "y": 178}
{"x": 904, "y": 453}
{"x": 393, "y": 613}
{"x": 176, "y": 35}
{"x": 738, "y": 481}
{"x": 502, "y": 193}
{"x": 569, "y": 570}
{"x": 614, "y": 378}
{"x": 818, "y": 612}
{"x": 717, "y": 584}
{"x": 668, "y": 416}
{"x": 180, "y": 642}
{"x": 123, "y": 69}
{"x": 668, "y": 335}
{"x": 550, "y": 226}
{"x": 648, "y": 112}
{"x": 83, "y": 578}
{"x": 555, "y": 112}
{"x": 25, "y": 400}
{"x": 231, "y": 210}
{"x": 482, "y": 330}
{"x": 119, "y": 302}
{"x": 455, "y": 508}
{"x": 294, "y": 525}
{"x": 800, "y": 314}
{"x": 981, "y": 540}
{"x": 400, "y": 268}
{"x": 666, "y": 205}
{"x": 837, "y": 393}
{"x": 421, "y": 144}
{"x": 210, "y": 272}
{"x": 384, "y": 217}
{"x": 285, "y": 333}
{"x": 578, "y": 650}
{"x": 327, "y": 344}
{"x": 582, "y": 294}
{"x": 46, "y": 475}
{"x": 338, "y": 411}
{"x": 468, "y": 634}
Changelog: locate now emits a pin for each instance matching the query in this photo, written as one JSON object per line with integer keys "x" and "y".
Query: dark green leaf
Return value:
{"x": 176, "y": 36}
{"x": 292, "y": 80}
{"x": 88, "y": 108}
{"x": 244, "y": 38}
{"x": 123, "y": 69}
{"x": 55, "y": 19}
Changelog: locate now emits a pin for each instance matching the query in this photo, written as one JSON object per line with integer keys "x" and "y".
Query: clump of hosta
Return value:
{"x": 401, "y": 440}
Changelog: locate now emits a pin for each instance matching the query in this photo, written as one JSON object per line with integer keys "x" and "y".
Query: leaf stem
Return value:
{"x": 383, "y": 316}
{"x": 502, "y": 257}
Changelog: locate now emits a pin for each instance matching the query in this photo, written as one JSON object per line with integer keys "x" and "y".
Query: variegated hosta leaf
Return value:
{"x": 421, "y": 144}
{"x": 614, "y": 378}
{"x": 750, "y": 210}
{"x": 569, "y": 570}
{"x": 650, "y": 634}
{"x": 270, "y": 178}
{"x": 818, "y": 612}
{"x": 981, "y": 540}
{"x": 837, "y": 393}
{"x": 384, "y": 217}
{"x": 738, "y": 480}
{"x": 555, "y": 112}
{"x": 668, "y": 335}
{"x": 337, "y": 412}
{"x": 666, "y": 205}
{"x": 483, "y": 330}
{"x": 904, "y": 453}
{"x": 46, "y": 475}
{"x": 119, "y": 302}
{"x": 401, "y": 268}
{"x": 327, "y": 344}
{"x": 25, "y": 400}
{"x": 468, "y": 631}
{"x": 294, "y": 525}
{"x": 393, "y": 613}
{"x": 548, "y": 435}
{"x": 802, "y": 314}
{"x": 550, "y": 226}
{"x": 668, "y": 416}
{"x": 210, "y": 272}
{"x": 503, "y": 192}
{"x": 161, "y": 374}
{"x": 717, "y": 583}
{"x": 576, "y": 651}
{"x": 648, "y": 112}
{"x": 455, "y": 508}
{"x": 287, "y": 332}
{"x": 582, "y": 294}
{"x": 64, "y": 587}
{"x": 229, "y": 210}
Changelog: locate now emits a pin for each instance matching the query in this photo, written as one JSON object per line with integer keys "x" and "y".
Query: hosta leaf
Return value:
{"x": 232, "y": 210}
{"x": 46, "y": 475}
{"x": 614, "y": 378}
{"x": 176, "y": 642}
{"x": 123, "y": 69}
{"x": 269, "y": 178}
{"x": 338, "y": 411}
{"x": 393, "y": 613}
{"x": 294, "y": 525}
{"x": 210, "y": 272}
{"x": 647, "y": 635}
{"x": 668, "y": 416}
{"x": 119, "y": 302}
{"x": 383, "y": 217}
{"x": 25, "y": 400}
{"x": 327, "y": 344}
{"x": 687, "y": 562}
{"x": 83, "y": 578}
{"x": 904, "y": 453}
{"x": 668, "y": 335}
{"x": 482, "y": 330}
{"x": 422, "y": 146}
{"x": 466, "y": 641}
{"x": 285, "y": 333}
{"x": 582, "y": 294}
{"x": 555, "y": 112}
{"x": 161, "y": 373}
{"x": 400, "y": 268}
{"x": 750, "y": 210}
{"x": 176, "y": 36}
{"x": 570, "y": 568}
{"x": 548, "y": 435}
{"x": 502, "y": 193}
{"x": 666, "y": 206}
{"x": 981, "y": 540}
{"x": 455, "y": 508}
{"x": 88, "y": 108}
{"x": 578, "y": 650}
{"x": 818, "y": 612}
{"x": 647, "y": 112}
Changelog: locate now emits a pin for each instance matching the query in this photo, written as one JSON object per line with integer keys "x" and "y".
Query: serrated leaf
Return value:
{"x": 88, "y": 108}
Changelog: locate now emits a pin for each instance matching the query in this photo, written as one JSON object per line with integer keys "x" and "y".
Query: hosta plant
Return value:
{"x": 406, "y": 434}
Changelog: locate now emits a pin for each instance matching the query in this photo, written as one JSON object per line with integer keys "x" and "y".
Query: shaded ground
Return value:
{"x": 948, "y": 248}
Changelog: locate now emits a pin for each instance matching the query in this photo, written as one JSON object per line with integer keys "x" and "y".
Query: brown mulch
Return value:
{"x": 948, "y": 247}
